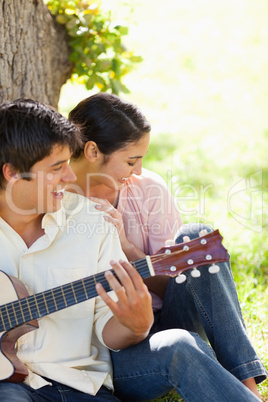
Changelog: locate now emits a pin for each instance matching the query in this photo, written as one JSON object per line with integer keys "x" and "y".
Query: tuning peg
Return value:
{"x": 169, "y": 242}
{"x": 203, "y": 232}
{"x": 180, "y": 278}
{"x": 186, "y": 239}
{"x": 213, "y": 269}
{"x": 195, "y": 273}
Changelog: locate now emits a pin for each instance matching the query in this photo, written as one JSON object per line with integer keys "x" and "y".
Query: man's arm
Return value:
{"x": 133, "y": 314}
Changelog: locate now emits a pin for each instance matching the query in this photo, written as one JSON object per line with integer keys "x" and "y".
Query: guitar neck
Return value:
{"x": 44, "y": 303}
{"x": 167, "y": 261}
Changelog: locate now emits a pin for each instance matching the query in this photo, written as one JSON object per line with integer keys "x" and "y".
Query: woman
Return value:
{"x": 138, "y": 203}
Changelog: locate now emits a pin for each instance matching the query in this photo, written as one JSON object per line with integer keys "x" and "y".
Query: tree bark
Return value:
{"x": 34, "y": 54}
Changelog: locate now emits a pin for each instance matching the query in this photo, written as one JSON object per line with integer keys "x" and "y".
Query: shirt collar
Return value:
{"x": 57, "y": 218}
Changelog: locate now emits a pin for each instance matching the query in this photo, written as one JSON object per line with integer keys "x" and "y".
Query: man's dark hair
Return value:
{"x": 28, "y": 132}
{"x": 109, "y": 121}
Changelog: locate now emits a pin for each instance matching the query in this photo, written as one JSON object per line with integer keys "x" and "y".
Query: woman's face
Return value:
{"x": 122, "y": 164}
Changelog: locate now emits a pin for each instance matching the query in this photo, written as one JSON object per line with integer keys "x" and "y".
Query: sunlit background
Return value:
{"x": 203, "y": 84}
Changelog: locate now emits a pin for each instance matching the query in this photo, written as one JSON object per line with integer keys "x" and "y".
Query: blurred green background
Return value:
{"x": 203, "y": 85}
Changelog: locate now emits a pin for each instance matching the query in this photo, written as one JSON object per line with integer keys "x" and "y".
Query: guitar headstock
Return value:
{"x": 204, "y": 250}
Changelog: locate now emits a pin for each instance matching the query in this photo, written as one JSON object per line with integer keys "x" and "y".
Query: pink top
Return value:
{"x": 149, "y": 213}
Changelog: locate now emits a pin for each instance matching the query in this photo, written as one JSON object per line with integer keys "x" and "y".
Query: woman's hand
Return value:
{"x": 115, "y": 217}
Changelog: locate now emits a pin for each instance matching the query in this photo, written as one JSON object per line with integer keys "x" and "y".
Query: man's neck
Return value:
{"x": 28, "y": 227}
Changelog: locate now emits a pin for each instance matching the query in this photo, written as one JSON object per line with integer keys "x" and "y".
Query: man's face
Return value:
{"x": 44, "y": 192}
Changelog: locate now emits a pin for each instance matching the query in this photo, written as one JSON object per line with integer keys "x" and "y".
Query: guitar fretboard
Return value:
{"x": 168, "y": 261}
{"x": 44, "y": 303}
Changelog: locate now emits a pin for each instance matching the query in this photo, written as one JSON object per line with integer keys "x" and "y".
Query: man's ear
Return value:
{"x": 10, "y": 173}
{"x": 91, "y": 151}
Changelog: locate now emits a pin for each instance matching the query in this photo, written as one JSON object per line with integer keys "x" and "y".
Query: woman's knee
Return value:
{"x": 177, "y": 341}
{"x": 175, "y": 348}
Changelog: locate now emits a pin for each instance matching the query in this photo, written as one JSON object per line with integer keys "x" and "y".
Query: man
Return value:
{"x": 47, "y": 239}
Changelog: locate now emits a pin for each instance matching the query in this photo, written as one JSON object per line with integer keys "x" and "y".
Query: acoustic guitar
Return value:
{"x": 19, "y": 312}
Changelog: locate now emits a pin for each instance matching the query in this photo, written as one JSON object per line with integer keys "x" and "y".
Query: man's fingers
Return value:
{"x": 133, "y": 309}
{"x": 106, "y": 298}
{"x": 134, "y": 275}
{"x": 128, "y": 277}
{"x": 123, "y": 276}
{"x": 113, "y": 281}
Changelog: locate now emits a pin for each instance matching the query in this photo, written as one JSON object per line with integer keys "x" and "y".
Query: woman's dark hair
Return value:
{"x": 28, "y": 132}
{"x": 109, "y": 121}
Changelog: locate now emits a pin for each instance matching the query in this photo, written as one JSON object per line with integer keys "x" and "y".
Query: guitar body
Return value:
{"x": 11, "y": 368}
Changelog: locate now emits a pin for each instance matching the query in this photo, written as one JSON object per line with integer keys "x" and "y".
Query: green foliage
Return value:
{"x": 172, "y": 396}
{"x": 97, "y": 53}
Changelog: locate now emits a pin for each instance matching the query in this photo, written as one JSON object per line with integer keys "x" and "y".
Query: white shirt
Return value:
{"x": 68, "y": 346}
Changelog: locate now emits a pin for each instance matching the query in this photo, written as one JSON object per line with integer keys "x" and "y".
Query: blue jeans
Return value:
{"x": 55, "y": 393}
{"x": 177, "y": 355}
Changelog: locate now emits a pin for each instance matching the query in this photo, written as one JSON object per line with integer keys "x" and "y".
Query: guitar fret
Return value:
{"x": 69, "y": 294}
{"x": 33, "y": 308}
{"x": 45, "y": 299}
{"x": 24, "y": 303}
{"x": 62, "y": 291}
{"x": 80, "y": 292}
{"x": 74, "y": 293}
{"x": 29, "y": 308}
{"x": 54, "y": 299}
{"x": 3, "y": 321}
{"x": 36, "y": 303}
{"x": 14, "y": 312}
{"x": 84, "y": 287}
{"x": 21, "y": 309}
{"x": 60, "y": 303}
{"x": 42, "y": 304}
{"x": 8, "y": 317}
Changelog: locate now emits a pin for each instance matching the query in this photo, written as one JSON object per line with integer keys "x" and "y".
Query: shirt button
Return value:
{"x": 25, "y": 346}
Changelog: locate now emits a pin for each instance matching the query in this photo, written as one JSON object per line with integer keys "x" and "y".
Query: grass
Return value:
{"x": 243, "y": 225}
{"x": 203, "y": 86}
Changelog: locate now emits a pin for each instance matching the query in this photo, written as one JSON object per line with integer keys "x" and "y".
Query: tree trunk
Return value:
{"x": 34, "y": 55}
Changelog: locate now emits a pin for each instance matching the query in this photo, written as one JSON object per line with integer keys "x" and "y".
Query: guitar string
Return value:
{"x": 138, "y": 264}
{"x": 70, "y": 289}
{"x": 66, "y": 290}
{"x": 46, "y": 298}
{"x": 47, "y": 303}
{"x": 15, "y": 313}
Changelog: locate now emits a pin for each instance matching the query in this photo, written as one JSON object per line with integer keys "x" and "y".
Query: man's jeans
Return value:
{"x": 55, "y": 393}
{"x": 177, "y": 355}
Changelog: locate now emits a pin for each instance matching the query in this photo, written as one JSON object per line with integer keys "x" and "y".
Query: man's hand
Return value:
{"x": 133, "y": 314}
